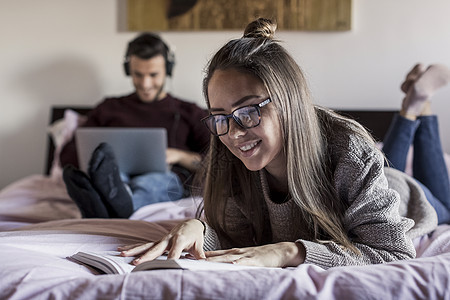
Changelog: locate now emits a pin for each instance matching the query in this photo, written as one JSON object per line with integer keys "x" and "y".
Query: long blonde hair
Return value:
{"x": 308, "y": 167}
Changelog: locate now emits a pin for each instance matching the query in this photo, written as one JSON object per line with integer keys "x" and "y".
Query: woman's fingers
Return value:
{"x": 153, "y": 252}
{"x": 175, "y": 251}
{"x": 283, "y": 254}
{"x": 236, "y": 251}
{"x": 198, "y": 251}
{"x": 235, "y": 256}
{"x": 179, "y": 242}
{"x": 136, "y": 249}
{"x": 128, "y": 247}
{"x": 225, "y": 256}
{"x": 186, "y": 235}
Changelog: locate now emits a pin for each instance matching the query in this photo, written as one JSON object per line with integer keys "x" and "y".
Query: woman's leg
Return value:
{"x": 428, "y": 162}
{"x": 443, "y": 213}
{"x": 398, "y": 140}
{"x": 429, "y": 168}
{"x": 417, "y": 125}
{"x": 402, "y": 129}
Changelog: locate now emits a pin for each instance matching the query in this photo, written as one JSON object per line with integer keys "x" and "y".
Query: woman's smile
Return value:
{"x": 249, "y": 148}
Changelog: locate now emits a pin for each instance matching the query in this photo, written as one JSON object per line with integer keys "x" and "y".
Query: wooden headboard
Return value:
{"x": 376, "y": 121}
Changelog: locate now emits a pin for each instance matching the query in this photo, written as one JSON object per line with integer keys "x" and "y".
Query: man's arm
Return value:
{"x": 186, "y": 159}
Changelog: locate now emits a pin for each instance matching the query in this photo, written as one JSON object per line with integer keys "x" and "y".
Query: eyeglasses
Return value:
{"x": 247, "y": 117}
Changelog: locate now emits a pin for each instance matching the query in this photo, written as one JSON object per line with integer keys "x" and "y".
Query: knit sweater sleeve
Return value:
{"x": 211, "y": 240}
{"x": 372, "y": 219}
{"x": 238, "y": 226}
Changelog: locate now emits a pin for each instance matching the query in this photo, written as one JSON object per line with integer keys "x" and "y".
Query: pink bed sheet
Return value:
{"x": 36, "y": 241}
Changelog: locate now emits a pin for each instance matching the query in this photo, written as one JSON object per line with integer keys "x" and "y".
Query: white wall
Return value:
{"x": 67, "y": 52}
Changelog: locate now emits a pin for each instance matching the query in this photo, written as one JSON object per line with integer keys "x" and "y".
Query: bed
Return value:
{"x": 40, "y": 227}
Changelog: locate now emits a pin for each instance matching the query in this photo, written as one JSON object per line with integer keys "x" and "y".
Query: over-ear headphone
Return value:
{"x": 146, "y": 46}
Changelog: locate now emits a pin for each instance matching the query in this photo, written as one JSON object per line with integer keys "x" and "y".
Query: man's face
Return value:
{"x": 148, "y": 77}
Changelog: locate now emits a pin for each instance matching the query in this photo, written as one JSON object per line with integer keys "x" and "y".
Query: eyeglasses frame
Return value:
{"x": 231, "y": 115}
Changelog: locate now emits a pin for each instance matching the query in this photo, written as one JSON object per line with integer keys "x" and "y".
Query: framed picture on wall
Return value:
{"x": 179, "y": 15}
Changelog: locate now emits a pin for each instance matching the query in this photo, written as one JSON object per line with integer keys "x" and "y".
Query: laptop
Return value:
{"x": 137, "y": 150}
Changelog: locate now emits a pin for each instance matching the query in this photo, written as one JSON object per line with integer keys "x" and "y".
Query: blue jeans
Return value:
{"x": 429, "y": 167}
{"x": 153, "y": 187}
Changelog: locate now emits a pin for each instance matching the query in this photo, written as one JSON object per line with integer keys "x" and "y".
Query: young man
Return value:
{"x": 106, "y": 192}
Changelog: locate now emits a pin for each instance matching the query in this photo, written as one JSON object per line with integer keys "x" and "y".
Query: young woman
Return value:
{"x": 417, "y": 126}
{"x": 287, "y": 182}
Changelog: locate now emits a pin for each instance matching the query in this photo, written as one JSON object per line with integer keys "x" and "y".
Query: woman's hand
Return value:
{"x": 285, "y": 254}
{"x": 187, "y": 236}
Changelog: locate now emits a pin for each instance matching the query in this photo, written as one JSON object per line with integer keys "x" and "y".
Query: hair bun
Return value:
{"x": 260, "y": 28}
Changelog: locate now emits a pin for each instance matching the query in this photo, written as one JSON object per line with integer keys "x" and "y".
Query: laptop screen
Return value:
{"x": 137, "y": 150}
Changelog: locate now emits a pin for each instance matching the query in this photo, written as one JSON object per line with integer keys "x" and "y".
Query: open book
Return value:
{"x": 110, "y": 262}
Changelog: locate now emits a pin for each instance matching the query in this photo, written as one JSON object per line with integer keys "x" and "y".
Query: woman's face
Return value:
{"x": 258, "y": 147}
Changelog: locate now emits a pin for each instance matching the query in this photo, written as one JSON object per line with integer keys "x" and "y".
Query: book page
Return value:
{"x": 189, "y": 264}
{"x": 109, "y": 262}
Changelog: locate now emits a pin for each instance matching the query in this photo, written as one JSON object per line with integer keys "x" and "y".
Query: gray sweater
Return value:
{"x": 386, "y": 210}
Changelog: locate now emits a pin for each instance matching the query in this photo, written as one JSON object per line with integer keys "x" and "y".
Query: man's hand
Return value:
{"x": 186, "y": 159}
